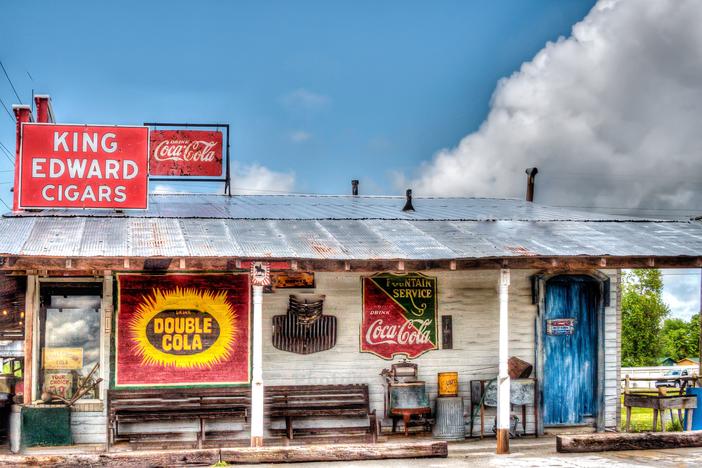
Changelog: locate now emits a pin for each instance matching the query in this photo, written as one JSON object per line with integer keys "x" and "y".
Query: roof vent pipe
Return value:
{"x": 354, "y": 188}
{"x": 531, "y": 176}
{"x": 408, "y": 203}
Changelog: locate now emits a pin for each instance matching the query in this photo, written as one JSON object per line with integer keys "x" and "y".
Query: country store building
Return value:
{"x": 169, "y": 298}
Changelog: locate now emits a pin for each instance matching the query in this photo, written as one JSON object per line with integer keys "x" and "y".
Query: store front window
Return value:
{"x": 69, "y": 339}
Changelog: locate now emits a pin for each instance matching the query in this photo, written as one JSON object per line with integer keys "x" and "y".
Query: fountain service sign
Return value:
{"x": 399, "y": 315}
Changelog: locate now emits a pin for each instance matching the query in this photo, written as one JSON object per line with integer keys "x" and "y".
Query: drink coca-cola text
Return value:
{"x": 180, "y": 150}
{"x": 412, "y": 331}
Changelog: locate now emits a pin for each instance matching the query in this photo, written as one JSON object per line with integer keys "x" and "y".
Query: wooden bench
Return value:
{"x": 200, "y": 404}
{"x": 294, "y": 402}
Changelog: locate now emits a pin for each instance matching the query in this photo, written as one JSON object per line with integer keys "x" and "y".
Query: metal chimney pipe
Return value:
{"x": 408, "y": 204}
{"x": 354, "y": 188}
{"x": 531, "y": 176}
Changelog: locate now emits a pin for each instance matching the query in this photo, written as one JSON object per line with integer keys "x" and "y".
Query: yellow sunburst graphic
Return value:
{"x": 181, "y": 337}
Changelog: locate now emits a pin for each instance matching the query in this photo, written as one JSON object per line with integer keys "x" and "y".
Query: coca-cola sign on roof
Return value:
{"x": 186, "y": 153}
{"x": 399, "y": 315}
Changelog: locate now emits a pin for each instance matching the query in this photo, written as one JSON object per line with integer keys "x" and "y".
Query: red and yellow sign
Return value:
{"x": 399, "y": 315}
{"x": 83, "y": 166}
{"x": 182, "y": 330}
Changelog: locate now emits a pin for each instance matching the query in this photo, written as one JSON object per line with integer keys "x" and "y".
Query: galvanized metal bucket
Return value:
{"x": 449, "y": 419}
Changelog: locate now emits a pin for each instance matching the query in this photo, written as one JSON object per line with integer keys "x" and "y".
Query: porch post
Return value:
{"x": 257, "y": 381}
{"x": 503, "y": 383}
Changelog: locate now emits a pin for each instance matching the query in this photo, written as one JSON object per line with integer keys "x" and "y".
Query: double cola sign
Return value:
{"x": 185, "y": 153}
{"x": 399, "y": 315}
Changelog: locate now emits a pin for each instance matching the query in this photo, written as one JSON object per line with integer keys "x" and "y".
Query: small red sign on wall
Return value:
{"x": 186, "y": 153}
{"x": 83, "y": 166}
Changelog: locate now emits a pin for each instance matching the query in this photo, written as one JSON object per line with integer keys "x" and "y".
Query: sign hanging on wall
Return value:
{"x": 62, "y": 358}
{"x": 177, "y": 330}
{"x": 83, "y": 166}
{"x": 559, "y": 327}
{"x": 186, "y": 153}
{"x": 399, "y": 315}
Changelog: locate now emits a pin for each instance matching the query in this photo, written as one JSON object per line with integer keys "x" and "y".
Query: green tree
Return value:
{"x": 643, "y": 311}
{"x": 680, "y": 339}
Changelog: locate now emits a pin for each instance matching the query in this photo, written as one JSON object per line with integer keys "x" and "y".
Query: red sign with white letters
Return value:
{"x": 83, "y": 166}
{"x": 186, "y": 153}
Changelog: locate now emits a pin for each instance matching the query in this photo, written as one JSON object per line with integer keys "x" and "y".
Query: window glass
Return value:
{"x": 70, "y": 342}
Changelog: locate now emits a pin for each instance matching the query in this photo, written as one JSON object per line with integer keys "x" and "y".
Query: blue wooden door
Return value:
{"x": 570, "y": 349}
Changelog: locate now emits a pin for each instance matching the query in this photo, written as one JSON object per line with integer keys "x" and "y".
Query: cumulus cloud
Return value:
{"x": 681, "y": 291}
{"x": 256, "y": 179}
{"x": 609, "y": 115}
{"x": 247, "y": 179}
{"x": 305, "y": 99}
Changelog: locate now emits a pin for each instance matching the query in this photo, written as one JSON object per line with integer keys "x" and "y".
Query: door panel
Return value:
{"x": 570, "y": 349}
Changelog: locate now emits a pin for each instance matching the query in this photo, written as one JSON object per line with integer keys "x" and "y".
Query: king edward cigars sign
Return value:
{"x": 399, "y": 315}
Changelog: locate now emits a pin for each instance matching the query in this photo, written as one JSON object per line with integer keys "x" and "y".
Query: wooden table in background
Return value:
{"x": 407, "y": 414}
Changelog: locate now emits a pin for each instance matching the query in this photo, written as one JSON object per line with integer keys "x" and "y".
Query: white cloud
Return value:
{"x": 610, "y": 116}
{"x": 305, "y": 99}
{"x": 681, "y": 291}
{"x": 257, "y": 179}
{"x": 247, "y": 179}
{"x": 300, "y": 136}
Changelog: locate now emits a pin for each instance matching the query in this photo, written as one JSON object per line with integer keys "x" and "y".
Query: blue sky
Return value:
{"x": 321, "y": 92}
{"x": 327, "y": 90}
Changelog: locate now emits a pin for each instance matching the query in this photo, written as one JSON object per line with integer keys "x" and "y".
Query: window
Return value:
{"x": 69, "y": 338}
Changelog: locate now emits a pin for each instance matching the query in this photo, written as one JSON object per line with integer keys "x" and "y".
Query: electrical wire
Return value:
{"x": 12, "y": 85}
{"x": 7, "y": 110}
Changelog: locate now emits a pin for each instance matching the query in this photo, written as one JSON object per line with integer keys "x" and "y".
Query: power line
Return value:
{"x": 6, "y": 205}
{"x": 7, "y": 110}
{"x": 12, "y": 85}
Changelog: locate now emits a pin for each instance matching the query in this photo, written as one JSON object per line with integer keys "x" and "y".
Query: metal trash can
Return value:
{"x": 449, "y": 419}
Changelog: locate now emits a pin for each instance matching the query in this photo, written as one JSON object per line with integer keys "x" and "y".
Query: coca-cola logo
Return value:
{"x": 185, "y": 150}
{"x": 411, "y": 332}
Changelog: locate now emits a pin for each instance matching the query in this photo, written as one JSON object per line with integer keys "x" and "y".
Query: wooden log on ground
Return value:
{"x": 152, "y": 458}
{"x": 627, "y": 441}
{"x": 341, "y": 452}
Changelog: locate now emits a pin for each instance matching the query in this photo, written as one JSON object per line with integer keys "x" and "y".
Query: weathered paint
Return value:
{"x": 570, "y": 360}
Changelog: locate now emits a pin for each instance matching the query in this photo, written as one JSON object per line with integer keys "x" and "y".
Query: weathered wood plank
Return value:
{"x": 341, "y": 452}
{"x": 603, "y": 442}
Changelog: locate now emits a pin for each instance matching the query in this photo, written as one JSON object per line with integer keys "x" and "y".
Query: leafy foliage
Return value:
{"x": 643, "y": 311}
{"x": 680, "y": 339}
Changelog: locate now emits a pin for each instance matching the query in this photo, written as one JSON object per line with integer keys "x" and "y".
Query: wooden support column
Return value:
{"x": 30, "y": 312}
{"x": 257, "y": 381}
{"x": 503, "y": 382}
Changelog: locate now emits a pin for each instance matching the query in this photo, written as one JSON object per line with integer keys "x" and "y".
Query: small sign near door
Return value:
{"x": 559, "y": 327}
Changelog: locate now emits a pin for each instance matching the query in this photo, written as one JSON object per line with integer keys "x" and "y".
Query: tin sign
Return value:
{"x": 186, "y": 153}
{"x": 560, "y": 327}
{"x": 83, "y": 166}
{"x": 182, "y": 330}
{"x": 399, "y": 315}
{"x": 260, "y": 274}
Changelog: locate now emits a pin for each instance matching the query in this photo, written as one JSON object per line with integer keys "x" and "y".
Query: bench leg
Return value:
{"x": 201, "y": 433}
{"x": 628, "y": 418}
{"x": 655, "y": 419}
{"x": 662, "y": 420}
{"x": 689, "y": 414}
{"x": 289, "y": 427}
{"x": 406, "y": 420}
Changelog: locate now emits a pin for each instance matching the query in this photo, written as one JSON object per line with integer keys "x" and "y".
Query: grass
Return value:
{"x": 642, "y": 419}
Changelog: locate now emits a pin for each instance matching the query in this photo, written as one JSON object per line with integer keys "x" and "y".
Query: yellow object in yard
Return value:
{"x": 448, "y": 384}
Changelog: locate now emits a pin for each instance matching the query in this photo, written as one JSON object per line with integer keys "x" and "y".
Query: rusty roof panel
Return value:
{"x": 49, "y": 236}
{"x": 103, "y": 237}
{"x": 209, "y": 238}
{"x": 155, "y": 237}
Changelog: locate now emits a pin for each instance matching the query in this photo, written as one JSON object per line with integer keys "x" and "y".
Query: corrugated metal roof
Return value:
{"x": 342, "y": 228}
{"x": 337, "y": 207}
